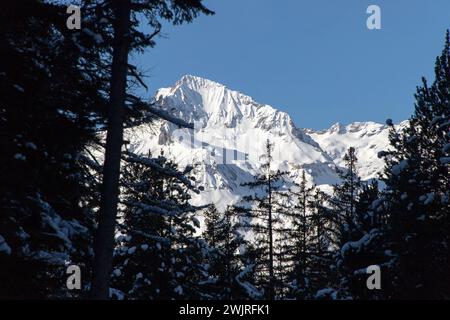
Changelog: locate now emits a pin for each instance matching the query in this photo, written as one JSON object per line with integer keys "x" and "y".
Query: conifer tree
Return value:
{"x": 319, "y": 269}
{"x": 363, "y": 249}
{"x": 298, "y": 234}
{"x": 44, "y": 180}
{"x": 225, "y": 259}
{"x": 127, "y": 37}
{"x": 336, "y": 220}
{"x": 416, "y": 199}
{"x": 357, "y": 231}
{"x": 344, "y": 199}
{"x": 158, "y": 255}
{"x": 265, "y": 207}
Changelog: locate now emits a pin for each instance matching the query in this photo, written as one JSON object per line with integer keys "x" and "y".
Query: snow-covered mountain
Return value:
{"x": 368, "y": 139}
{"x": 228, "y": 142}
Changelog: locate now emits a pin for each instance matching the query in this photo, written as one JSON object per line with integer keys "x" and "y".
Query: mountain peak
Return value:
{"x": 196, "y": 82}
{"x": 234, "y": 128}
{"x": 337, "y": 128}
{"x": 194, "y": 98}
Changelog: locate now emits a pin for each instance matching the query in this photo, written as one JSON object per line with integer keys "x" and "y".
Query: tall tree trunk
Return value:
{"x": 104, "y": 238}
{"x": 271, "y": 275}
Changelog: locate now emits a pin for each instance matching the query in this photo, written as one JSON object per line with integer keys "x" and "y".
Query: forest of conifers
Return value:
{"x": 127, "y": 222}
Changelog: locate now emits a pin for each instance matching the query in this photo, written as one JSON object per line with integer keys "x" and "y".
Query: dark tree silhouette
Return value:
{"x": 125, "y": 38}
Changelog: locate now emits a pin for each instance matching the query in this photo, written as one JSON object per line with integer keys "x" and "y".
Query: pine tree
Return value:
{"x": 250, "y": 258}
{"x": 339, "y": 223}
{"x": 44, "y": 180}
{"x": 363, "y": 249}
{"x": 344, "y": 199}
{"x": 127, "y": 37}
{"x": 320, "y": 270}
{"x": 283, "y": 265}
{"x": 416, "y": 199}
{"x": 158, "y": 255}
{"x": 217, "y": 235}
{"x": 356, "y": 232}
{"x": 298, "y": 235}
{"x": 263, "y": 211}
{"x": 214, "y": 226}
{"x": 225, "y": 259}
{"x": 104, "y": 239}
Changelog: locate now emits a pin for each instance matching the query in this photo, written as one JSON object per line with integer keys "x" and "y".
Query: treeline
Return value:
{"x": 127, "y": 222}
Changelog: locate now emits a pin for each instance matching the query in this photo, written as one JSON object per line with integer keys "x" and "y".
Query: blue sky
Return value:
{"x": 314, "y": 59}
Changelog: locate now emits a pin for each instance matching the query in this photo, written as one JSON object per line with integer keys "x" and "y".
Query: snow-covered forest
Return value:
{"x": 95, "y": 176}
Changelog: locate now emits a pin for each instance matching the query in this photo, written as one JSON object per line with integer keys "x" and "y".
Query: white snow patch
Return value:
{"x": 357, "y": 246}
{"x": 326, "y": 293}
{"x": 178, "y": 289}
{"x": 31, "y": 145}
{"x": 19, "y": 156}
{"x": 4, "y": 247}
{"x": 117, "y": 272}
{"x": 19, "y": 88}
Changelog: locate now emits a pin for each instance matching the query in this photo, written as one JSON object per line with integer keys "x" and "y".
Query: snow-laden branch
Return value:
{"x": 166, "y": 171}
{"x": 163, "y": 114}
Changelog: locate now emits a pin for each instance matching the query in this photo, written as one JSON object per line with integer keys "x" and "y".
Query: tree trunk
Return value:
{"x": 104, "y": 238}
{"x": 271, "y": 274}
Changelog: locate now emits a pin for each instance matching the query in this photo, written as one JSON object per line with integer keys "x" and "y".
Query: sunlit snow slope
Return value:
{"x": 228, "y": 142}
{"x": 368, "y": 139}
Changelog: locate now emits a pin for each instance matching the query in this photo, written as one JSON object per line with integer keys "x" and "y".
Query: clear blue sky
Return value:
{"x": 314, "y": 59}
